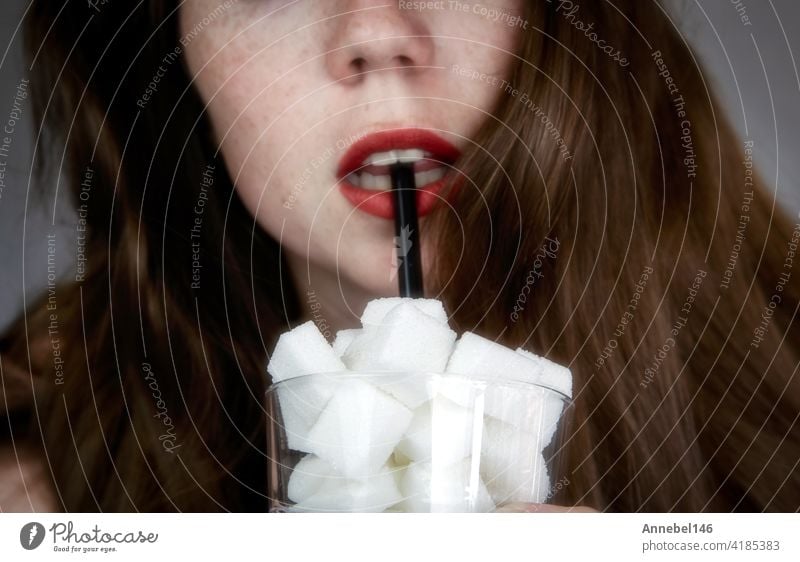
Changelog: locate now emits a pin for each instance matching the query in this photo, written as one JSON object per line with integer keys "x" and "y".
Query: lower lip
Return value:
{"x": 380, "y": 203}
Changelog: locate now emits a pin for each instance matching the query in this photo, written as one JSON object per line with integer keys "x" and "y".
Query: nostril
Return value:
{"x": 361, "y": 42}
{"x": 358, "y": 65}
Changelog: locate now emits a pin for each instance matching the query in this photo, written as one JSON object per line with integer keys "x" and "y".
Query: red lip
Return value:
{"x": 379, "y": 203}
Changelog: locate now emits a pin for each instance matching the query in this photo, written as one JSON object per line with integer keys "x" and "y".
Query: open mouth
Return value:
{"x": 374, "y": 173}
{"x": 364, "y": 171}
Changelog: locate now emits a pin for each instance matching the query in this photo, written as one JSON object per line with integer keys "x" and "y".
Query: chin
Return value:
{"x": 372, "y": 269}
{"x": 371, "y": 282}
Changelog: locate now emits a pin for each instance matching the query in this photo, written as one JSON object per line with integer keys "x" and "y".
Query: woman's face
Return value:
{"x": 307, "y": 99}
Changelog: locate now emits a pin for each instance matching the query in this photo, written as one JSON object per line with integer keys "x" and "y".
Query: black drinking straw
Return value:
{"x": 406, "y": 230}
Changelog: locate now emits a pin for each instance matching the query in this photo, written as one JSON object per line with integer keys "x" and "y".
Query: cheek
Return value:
{"x": 255, "y": 126}
{"x": 477, "y": 63}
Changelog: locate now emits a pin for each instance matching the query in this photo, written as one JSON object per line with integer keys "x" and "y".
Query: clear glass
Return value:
{"x": 413, "y": 442}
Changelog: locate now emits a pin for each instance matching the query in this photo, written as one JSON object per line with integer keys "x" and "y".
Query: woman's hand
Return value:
{"x": 519, "y": 507}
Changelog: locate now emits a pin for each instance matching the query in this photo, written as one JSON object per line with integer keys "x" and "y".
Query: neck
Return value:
{"x": 332, "y": 302}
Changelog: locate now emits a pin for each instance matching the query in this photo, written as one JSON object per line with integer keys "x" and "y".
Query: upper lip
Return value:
{"x": 390, "y": 139}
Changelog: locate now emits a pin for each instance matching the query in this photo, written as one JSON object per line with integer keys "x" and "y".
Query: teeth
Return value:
{"x": 384, "y": 182}
{"x": 375, "y": 182}
{"x": 392, "y": 156}
{"x": 424, "y": 178}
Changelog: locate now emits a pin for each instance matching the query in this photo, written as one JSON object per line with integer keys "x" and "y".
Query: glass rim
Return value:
{"x": 377, "y": 372}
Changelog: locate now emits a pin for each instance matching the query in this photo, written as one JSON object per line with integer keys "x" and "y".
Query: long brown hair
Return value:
{"x": 611, "y": 224}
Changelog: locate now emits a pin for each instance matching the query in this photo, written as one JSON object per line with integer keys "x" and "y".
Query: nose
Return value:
{"x": 374, "y": 35}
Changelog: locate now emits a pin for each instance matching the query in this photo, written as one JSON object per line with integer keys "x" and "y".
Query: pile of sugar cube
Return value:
{"x": 412, "y": 418}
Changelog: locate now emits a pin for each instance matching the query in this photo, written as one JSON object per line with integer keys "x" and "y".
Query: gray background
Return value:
{"x": 752, "y": 68}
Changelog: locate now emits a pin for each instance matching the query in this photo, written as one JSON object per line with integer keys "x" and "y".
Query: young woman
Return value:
{"x": 606, "y": 216}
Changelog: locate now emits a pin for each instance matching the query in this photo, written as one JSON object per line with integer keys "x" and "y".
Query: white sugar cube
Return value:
{"x": 511, "y": 402}
{"x": 462, "y": 390}
{"x": 546, "y": 423}
{"x": 301, "y": 403}
{"x": 551, "y": 374}
{"x": 504, "y": 396}
{"x": 529, "y": 408}
{"x": 477, "y": 356}
{"x": 440, "y": 431}
{"x": 406, "y": 340}
{"x": 434, "y": 487}
{"x": 377, "y": 309}
{"x": 373, "y": 494}
{"x": 358, "y": 429}
{"x": 308, "y": 476}
{"x": 343, "y": 339}
{"x": 302, "y": 351}
{"x": 412, "y": 389}
{"x": 532, "y": 486}
{"x": 512, "y": 465}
